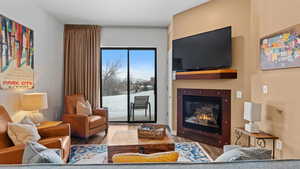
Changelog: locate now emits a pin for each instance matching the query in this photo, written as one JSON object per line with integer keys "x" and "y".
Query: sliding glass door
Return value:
{"x": 115, "y": 83}
{"x": 142, "y": 85}
{"x": 129, "y": 84}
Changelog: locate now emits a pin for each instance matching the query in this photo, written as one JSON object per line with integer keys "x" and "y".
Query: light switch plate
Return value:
{"x": 239, "y": 94}
{"x": 265, "y": 89}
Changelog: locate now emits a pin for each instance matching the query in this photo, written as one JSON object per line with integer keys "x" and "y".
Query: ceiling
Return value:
{"x": 156, "y": 13}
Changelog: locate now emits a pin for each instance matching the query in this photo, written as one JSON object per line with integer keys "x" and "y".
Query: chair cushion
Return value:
{"x": 84, "y": 108}
{"x": 35, "y": 153}
{"x": 22, "y": 133}
{"x": 146, "y": 158}
{"x": 95, "y": 121}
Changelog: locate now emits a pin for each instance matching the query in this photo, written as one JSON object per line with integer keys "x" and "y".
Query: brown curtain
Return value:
{"x": 81, "y": 62}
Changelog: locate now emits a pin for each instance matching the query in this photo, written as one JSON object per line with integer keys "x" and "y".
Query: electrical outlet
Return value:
{"x": 279, "y": 145}
{"x": 265, "y": 89}
{"x": 239, "y": 94}
{"x": 173, "y": 75}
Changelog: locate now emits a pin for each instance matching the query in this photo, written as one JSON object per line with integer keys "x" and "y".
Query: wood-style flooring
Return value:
{"x": 100, "y": 138}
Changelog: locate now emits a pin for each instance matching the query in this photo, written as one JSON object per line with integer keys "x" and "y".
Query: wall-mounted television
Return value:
{"x": 204, "y": 51}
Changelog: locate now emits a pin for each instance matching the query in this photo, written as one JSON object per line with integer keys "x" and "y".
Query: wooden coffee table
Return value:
{"x": 128, "y": 142}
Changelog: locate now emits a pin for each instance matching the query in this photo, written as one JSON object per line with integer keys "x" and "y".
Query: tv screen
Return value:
{"x": 205, "y": 51}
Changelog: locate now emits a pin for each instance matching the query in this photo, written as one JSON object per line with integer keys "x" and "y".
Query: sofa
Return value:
{"x": 283, "y": 164}
{"x": 84, "y": 126}
{"x": 57, "y": 137}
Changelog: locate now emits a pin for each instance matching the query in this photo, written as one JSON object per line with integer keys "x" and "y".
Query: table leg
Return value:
{"x": 273, "y": 156}
{"x": 249, "y": 141}
{"x": 238, "y": 136}
{"x": 150, "y": 111}
{"x": 133, "y": 114}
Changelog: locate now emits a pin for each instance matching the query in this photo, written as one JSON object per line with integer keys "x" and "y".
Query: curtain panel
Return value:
{"x": 82, "y": 62}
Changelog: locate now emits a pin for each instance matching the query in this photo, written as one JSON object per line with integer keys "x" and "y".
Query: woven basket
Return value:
{"x": 152, "y": 131}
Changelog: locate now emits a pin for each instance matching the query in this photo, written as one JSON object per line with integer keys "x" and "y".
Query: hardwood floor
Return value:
{"x": 100, "y": 138}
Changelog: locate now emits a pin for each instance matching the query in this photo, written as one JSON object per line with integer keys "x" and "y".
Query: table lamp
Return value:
{"x": 252, "y": 113}
{"x": 32, "y": 103}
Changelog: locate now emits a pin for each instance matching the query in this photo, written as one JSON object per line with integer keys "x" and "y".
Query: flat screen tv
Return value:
{"x": 205, "y": 51}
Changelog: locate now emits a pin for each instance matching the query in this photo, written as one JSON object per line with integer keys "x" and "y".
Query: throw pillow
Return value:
{"x": 84, "y": 108}
{"x": 163, "y": 157}
{"x": 35, "y": 153}
{"x": 245, "y": 153}
{"x": 255, "y": 153}
{"x": 27, "y": 120}
{"x": 22, "y": 133}
{"x": 231, "y": 155}
{"x": 230, "y": 147}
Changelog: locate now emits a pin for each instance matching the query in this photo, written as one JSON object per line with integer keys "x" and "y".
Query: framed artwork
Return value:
{"x": 16, "y": 55}
{"x": 281, "y": 50}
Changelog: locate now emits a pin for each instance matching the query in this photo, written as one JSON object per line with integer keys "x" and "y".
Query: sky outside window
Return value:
{"x": 141, "y": 62}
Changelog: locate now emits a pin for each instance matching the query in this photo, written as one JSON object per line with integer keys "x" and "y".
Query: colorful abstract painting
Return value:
{"x": 280, "y": 51}
{"x": 16, "y": 55}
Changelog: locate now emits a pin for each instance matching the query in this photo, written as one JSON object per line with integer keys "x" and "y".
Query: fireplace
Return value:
{"x": 204, "y": 115}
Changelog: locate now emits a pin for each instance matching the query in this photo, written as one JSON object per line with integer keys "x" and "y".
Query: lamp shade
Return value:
{"x": 34, "y": 101}
{"x": 252, "y": 111}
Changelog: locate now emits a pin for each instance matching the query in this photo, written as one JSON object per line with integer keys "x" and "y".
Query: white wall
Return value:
{"x": 48, "y": 41}
{"x": 144, "y": 37}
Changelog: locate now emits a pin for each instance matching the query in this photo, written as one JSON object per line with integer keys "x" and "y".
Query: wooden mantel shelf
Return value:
{"x": 207, "y": 74}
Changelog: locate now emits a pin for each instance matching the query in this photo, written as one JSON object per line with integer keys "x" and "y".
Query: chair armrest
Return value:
{"x": 56, "y": 131}
{"x": 79, "y": 124}
{"x": 12, "y": 155}
{"x": 75, "y": 117}
{"x": 55, "y": 142}
{"x": 62, "y": 143}
{"x": 102, "y": 113}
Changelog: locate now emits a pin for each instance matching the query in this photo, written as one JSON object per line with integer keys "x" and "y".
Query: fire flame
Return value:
{"x": 204, "y": 117}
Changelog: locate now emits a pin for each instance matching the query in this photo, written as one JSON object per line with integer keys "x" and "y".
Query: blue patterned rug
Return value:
{"x": 190, "y": 152}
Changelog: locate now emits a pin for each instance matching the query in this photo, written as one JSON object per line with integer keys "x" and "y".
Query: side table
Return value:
{"x": 260, "y": 138}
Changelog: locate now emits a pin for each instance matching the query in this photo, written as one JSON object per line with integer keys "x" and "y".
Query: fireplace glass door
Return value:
{"x": 202, "y": 112}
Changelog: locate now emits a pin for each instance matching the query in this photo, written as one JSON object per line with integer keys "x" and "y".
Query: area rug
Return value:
{"x": 190, "y": 152}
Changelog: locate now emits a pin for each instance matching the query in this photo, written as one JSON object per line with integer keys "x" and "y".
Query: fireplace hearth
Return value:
{"x": 204, "y": 115}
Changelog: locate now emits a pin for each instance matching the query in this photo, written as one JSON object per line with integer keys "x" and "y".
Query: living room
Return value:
{"x": 88, "y": 67}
